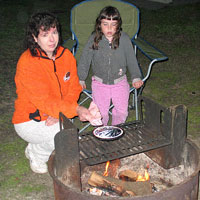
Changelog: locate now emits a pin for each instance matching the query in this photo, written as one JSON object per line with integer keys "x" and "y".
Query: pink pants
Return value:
{"x": 119, "y": 95}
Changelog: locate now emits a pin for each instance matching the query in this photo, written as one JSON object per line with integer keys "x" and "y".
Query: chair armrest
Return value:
{"x": 149, "y": 50}
{"x": 69, "y": 44}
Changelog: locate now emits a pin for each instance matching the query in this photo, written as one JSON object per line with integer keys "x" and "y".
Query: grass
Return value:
{"x": 11, "y": 171}
{"x": 175, "y": 81}
{"x": 174, "y": 30}
{"x": 14, "y": 170}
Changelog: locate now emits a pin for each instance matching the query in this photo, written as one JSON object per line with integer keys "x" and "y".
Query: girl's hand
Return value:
{"x": 137, "y": 84}
{"x": 51, "y": 121}
{"x": 82, "y": 83}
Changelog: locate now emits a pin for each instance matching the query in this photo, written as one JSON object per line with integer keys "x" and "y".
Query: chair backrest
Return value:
{"x": 84, "y": 14}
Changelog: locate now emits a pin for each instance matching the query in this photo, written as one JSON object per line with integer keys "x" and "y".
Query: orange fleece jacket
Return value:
{"x": 47, "y": 85}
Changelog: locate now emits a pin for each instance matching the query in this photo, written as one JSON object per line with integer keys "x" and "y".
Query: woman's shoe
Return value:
{"x": 36, "y": 165}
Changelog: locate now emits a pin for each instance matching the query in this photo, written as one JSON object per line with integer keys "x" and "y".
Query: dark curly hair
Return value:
{"x": 46, "y": 20}
{"x": 108, "y": 13}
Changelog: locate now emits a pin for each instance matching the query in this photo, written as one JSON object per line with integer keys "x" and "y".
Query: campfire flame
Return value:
{"x": 106, "y": 168}
{"x": 140, "y": 177}
{"x": 143, "y": 178}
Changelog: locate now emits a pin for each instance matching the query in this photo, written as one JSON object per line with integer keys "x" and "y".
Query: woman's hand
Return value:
{"x": 51, "y": 121}
{"x": 86, "y": 115}
{"x": 96, "y": 113}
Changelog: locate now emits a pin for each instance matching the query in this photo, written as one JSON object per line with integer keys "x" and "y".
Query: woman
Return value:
{"x": 47, "y": 83}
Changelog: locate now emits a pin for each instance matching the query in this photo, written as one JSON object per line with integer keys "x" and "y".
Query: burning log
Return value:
{"x": 128, "y": 175}
{"x": 121, "y": 187}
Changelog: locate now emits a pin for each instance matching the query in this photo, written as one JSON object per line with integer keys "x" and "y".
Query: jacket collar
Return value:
{"x": 42, "y": 54}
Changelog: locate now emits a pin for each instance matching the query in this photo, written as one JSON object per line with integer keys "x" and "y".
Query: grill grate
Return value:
{"x": 137, "y": 138}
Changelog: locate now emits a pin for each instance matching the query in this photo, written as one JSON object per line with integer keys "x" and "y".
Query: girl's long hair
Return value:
{"x": 44, "y": 21}
{"x": 108, "y": 13}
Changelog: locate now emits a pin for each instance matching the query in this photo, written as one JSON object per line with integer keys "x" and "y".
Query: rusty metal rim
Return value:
{"x": 161, "y": 193}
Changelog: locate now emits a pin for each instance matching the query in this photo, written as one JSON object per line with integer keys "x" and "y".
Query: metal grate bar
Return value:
{"x": 136, "y": 139}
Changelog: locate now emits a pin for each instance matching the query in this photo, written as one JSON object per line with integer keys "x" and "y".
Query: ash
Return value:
{"x": 159, "y": 177}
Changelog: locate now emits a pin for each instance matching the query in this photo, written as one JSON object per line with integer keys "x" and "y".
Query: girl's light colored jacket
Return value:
{"x": 109, "y": 64}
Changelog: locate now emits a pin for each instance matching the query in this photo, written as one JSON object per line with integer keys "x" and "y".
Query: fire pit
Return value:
{"x": 160, "y": 135}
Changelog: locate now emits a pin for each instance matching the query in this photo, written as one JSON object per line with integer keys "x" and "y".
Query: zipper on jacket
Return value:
{"x": 109, "y": 69}
{"x": 54, "y": 64}
{"x": 110, "y": 47}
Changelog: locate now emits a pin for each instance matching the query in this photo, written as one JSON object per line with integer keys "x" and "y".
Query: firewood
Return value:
{"x": 128, "y": 194}
{"x": 128, "y": 175}
{"x": 114, "y": 165}
{"x": 120, "y": 187}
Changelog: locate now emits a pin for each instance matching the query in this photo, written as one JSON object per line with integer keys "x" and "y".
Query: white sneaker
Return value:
{"x": 36, "y": 165}
{"x": 27, "y": 153}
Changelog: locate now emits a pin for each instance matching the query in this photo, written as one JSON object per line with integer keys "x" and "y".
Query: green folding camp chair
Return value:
{"x": 83, "y": 16}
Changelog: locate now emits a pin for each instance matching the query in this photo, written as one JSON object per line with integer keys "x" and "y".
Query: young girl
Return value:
{"x": 110, "y": 52}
